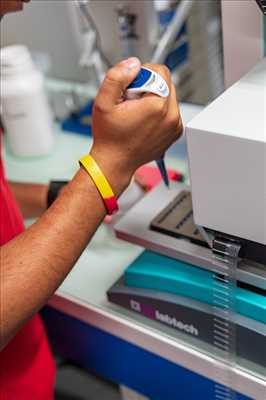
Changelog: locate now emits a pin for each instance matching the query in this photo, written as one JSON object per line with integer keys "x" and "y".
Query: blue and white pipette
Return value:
{"x": 148, "y": 81}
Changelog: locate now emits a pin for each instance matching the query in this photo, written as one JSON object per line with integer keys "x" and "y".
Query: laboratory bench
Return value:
{"x": 126, "y": 348}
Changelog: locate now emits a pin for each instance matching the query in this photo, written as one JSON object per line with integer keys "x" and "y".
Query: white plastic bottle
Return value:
{"x": 25, "y": 111}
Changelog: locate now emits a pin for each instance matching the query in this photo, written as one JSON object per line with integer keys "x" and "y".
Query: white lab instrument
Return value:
{"x": 227, "y": 158}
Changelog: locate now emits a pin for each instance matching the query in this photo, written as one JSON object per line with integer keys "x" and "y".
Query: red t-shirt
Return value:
{"x": 27, "y": 369}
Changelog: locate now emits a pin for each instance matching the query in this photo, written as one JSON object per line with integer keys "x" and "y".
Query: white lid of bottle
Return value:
{"x": 15, "y": 60}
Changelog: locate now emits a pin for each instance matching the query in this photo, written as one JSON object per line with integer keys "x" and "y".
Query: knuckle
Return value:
{"x": 111, "y": 74}
{"x": 161, "y": 108}
{"x": 173, "y": 120}
{"x": 175, "y": 125}
{"x": 177, "y": 128}
{"x": 99, "y": 107}
{"x": 111, "y": 77}
{"x": 165, "y": 70}
{"x": 150, "y": 66}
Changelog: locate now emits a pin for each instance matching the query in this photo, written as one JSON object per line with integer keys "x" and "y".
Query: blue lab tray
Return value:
{"x": 78, "y": 122}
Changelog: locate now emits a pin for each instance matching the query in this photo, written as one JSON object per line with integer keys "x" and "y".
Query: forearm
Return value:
{"x": 127, "y": 134}
{"x": 35, "y": 263}
{"x": 30, "y": 197}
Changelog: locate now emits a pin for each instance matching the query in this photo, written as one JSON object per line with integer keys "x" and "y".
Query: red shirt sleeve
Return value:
{"x": 27, "y": 369}
{"x": 11, "y": 219}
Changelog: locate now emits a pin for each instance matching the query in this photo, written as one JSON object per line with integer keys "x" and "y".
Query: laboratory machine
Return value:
{"x": 204, "y": 269}
{"x": 224, "y": 208}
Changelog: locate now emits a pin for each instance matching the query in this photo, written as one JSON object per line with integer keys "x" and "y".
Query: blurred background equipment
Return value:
{"x": 52, "y": 29}
{"x": 262, "y": 5}
{"x": 186, "y": 35}
{"x": 243, "y": 27}
{"x": 126, "y": 28}
{"x": 25, "y": 110}
{"x": 183, "y": 34}
{"x": 200, "y": 79}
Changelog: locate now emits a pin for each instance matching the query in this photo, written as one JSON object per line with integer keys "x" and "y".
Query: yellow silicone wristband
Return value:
{"x": 100, "y": 181}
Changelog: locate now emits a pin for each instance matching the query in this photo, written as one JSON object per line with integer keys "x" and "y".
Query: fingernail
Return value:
{"x": 131, "y": 63}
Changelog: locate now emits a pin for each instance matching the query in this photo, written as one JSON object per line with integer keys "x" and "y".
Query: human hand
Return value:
{"x": 130, "y": 133}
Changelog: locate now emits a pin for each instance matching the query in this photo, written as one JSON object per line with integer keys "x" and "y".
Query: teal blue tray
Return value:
{"x": 152, "y": 271}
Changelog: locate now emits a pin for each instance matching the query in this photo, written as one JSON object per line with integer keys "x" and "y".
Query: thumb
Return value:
{"x": 116, "y": 81}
